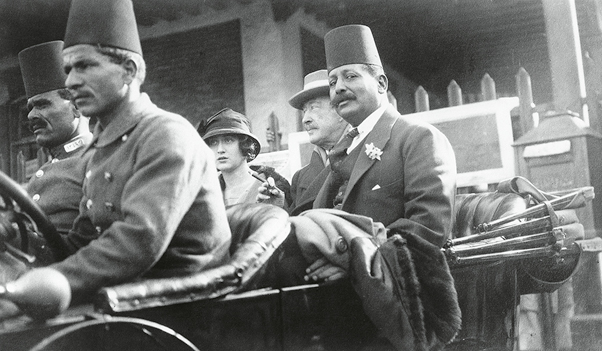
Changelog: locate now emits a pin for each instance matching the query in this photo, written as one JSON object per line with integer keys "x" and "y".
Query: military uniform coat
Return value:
{"x": 152, "y": 204}
{"x": 410, "y": 187}
{"x": 57, "y": 186}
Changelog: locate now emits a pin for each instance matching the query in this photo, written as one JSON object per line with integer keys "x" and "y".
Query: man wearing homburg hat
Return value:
{"x": 325, "y": 128}
{"x": 59, "y": 128}
{"x": 398, "y": 171}
{"x": 152, "y": 205}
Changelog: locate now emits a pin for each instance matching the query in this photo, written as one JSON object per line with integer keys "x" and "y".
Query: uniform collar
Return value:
{"x": 125, "y": 122}
{"x": 66, "y": 149}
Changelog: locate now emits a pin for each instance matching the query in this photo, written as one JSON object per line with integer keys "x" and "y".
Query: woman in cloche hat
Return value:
{"x": 229, "y": 136}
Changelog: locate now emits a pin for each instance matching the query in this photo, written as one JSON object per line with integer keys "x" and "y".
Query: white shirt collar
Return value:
{"x": 367, "y": 125}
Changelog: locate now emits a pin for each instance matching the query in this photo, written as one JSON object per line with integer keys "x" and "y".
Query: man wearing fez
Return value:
{"x": 152, "y": 205}
{"x": 58, "y": 127}
{"x": 63, "y": 132}
{"x": 325, "y": 128}
{"x": 398, "y": 171}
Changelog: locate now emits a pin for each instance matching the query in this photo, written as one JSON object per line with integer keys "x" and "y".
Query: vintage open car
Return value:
{"x": 506, "y": 243}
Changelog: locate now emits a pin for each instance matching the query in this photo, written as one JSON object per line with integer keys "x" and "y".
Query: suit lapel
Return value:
{"x": 379, "y": 136}
{"x": 316, "y": 165}
{"x": 321, "y": 200}
{"x": 311, "y": 191}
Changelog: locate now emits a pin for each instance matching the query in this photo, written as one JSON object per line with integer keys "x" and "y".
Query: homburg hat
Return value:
{"x": 314, "y": 84}
{"x": 107, "y": 22}
{"x": 42, "y": 68}
{"x": 228, "y": 121}
{"x": 350, "y": 44}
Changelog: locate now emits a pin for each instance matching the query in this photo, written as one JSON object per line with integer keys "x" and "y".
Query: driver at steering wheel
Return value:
{"x": 152, "y": 206}
{"x": 63, "y": 132}
{"x": 60, "y": 129}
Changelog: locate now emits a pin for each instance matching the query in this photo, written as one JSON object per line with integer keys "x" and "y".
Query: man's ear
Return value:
{"x": 383, "y": 84}
{"x": 131, "y": 69}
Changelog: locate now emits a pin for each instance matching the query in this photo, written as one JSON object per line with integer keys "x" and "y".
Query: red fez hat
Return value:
{"x": 42, "y": 68}
{"x": 315, "y": 84}
{"x": 227, "y": 121}
{"x": 107, "y": 22}
{"x": 350, "y": 44}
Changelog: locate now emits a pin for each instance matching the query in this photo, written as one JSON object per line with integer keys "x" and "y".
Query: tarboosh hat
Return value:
{"x": 314, "y": 84}
{"x": 105, "y": 22}
{"x": 42, "y": 68}
{"x": 227, "y": 121}
{"x": 350, "y": 44}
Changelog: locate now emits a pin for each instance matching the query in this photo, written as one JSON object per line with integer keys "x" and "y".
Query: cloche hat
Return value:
{"x": 227, "y": 121}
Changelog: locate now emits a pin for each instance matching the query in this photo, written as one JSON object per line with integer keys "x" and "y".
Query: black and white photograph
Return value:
{"x": 300, "y": 175}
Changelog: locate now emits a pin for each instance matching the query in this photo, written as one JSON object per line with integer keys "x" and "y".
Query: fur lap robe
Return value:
{"x": 404, "y": 282}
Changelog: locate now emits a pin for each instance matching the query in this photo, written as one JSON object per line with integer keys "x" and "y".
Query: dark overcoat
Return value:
{"x": 306, "y": 184}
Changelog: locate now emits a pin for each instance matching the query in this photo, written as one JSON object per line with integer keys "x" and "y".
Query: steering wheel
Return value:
{"x": 116, "y": 333}
{"x": 9, "y": 189}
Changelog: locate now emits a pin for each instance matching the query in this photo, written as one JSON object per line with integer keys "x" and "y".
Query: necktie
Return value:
{"x": 338, "y": 153}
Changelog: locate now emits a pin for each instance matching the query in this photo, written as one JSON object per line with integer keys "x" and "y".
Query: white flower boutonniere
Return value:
{"x": 373, "y": 152}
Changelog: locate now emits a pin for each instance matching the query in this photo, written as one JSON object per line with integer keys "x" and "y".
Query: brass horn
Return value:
{"x": 537, "y": 232}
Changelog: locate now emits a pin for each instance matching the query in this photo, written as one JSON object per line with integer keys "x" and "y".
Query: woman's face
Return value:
{"x": 226, "y": 148}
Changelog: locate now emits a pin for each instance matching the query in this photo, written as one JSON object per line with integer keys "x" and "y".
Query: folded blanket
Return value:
{"x": 404, "y": 282}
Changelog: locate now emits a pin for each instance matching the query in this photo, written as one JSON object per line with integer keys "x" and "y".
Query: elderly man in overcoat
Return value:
{"x": 325, "y": 128}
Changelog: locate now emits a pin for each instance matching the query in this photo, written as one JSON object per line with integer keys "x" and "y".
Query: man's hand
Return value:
{"x": 323, "y": 270}
{"x": 268, "y": 193}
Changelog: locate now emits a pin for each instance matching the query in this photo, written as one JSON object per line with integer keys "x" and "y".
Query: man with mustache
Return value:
{"x": 152, "y": 205}
{"x": 58, "y": 127}
{"x": 395, "y": 170}
{"x": 63, "y": 132}
{"x": 325, "y": 128}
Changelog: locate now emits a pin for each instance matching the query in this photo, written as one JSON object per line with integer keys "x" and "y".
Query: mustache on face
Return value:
{"x": 34, "y": 123}
{"x": 307, "y": 125}
{"x": 341, "y": 97}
